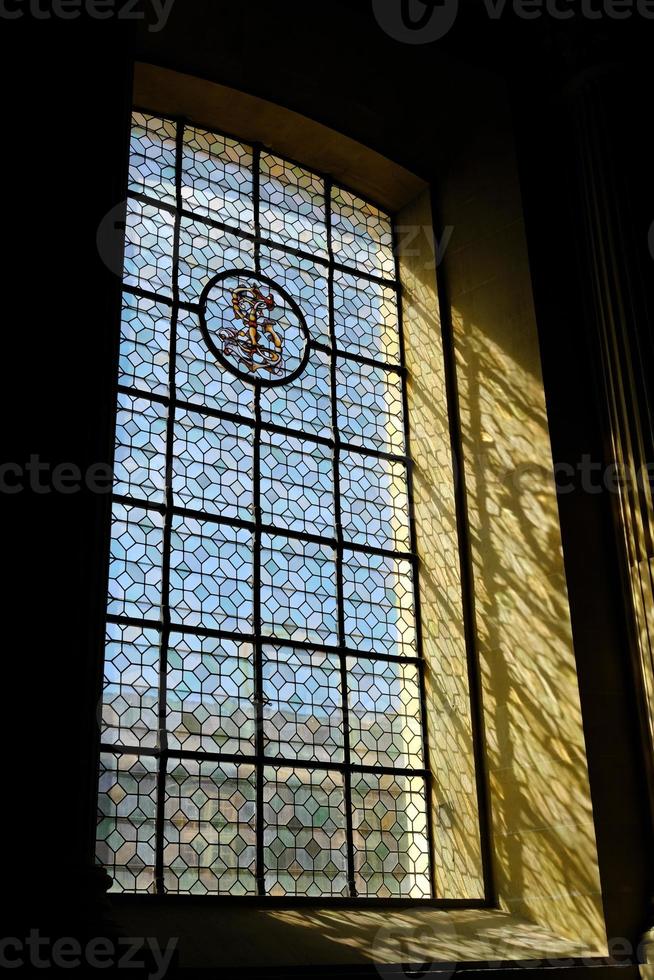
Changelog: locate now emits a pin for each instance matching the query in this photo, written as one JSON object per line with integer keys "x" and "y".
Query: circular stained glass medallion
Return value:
{"x": 254, "y": 328}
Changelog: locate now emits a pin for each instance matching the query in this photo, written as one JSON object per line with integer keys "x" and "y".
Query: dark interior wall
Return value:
{"x": 331, "y": 62}
{"x": 552, "y": 184}
{"x": 64, "y": 160}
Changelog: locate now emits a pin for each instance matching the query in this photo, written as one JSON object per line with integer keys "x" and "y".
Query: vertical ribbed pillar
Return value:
{"x": 616, "y": 263}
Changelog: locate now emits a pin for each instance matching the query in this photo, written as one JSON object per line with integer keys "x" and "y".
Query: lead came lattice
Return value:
{"x": 263, "y": 710}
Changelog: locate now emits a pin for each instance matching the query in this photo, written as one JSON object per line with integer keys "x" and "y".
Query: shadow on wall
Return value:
{"x": 542, "y": 832}
{"x": 457, "y": 845}
{"x": 544, "y": 851}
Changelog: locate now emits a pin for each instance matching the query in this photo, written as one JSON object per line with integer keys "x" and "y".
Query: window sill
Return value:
{"x": 286, "y": 937}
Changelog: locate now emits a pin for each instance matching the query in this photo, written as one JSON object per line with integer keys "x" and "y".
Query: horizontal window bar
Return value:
{"x": 264, "y": 640}
{"x": 281, "y": 430}
{"x": 159, "y": 298}
{"x": 266, "y": 242}
{"x": 260, "y": 760}
{"x": 282, "y": 532}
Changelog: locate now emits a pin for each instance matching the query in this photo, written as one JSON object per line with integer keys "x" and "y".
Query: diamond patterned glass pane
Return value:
{"x": 304, "y": 832}
{"x": 144, "y": 343}
{"x": 296, "y": 484}
{"x": 302, "y": 704}
{"x": 135, "y": 562}
{"x": 365, "y": 318}
{"x": 230, "y": 486}
{"x": 201, "y": 380}
{"x": 384, "y": 699}
{"x": 209, "y": 830}
{"x": 217, "y": 178}
{"x": 140, "y": 455}
{"x": 306, "y": 281}
{"x": 210, "y": 690}
{"x": 298, "y": 589}
{"x": 374, "y": 501}
{"x": 126, "y": 820}
{"x": 205, "y": 251}
{"x": 210, "y": 575}
{"x": 369, "y": 401}
{"x": 149, "y": 236}
{"x": 212, "y": 465}
{"x": 292, "y": 205}
{"x": 361, "y": 235}
{"x": 152, "y": 157}
{"x": 304, "y": 404}
{"x": 391, "y": 848}
{"x": 130, "y": 694}
{"x": 378, "y": 604}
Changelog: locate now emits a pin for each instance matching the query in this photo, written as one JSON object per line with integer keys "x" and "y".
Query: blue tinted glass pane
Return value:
{"x": 205, "y": 251}
{"x": 296, "y": 484}
{"x": 135, "y": 562}
{"x": 378, "y": 603}
{"x": 140, "y": 454}
{"x": 292, "y": 205}
{"x": 369, "y": 402}
{"x": 361, "y": 235}
{"x": 144, "y": 344}
{"x": 149, "y": 235}
{"x": 210, "y": 575}
{"x": 302, "y": 704}
{"x": 306, "y": 282}
{"x": 298, "y": 589}
{"x": 152, "y": 157}
{"x": 212, "y": 465}
{"x": 304, "y": 404}
{"x": 384, "y": 699}
{"x": 374, "y": 501}
{"x": 217, "y": 178}
{"x": 365, "y": 318}
{"x": 130, "y": 694}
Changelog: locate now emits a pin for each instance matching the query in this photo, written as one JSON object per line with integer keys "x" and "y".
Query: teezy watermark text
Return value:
{"x": 41, "y": 952}
{"x": 154, "y": 12}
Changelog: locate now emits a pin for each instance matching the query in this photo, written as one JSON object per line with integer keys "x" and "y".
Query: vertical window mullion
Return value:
{"x": 258, "y": 646}
{"x": 256, "y": 558}
{"x": 162, "y": 737}
{"x": 347, "y": 772}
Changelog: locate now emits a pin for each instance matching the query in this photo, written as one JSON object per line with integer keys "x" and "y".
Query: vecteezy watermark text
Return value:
{"x": 404, "y": 951}
{"x": 100, "y": 953}
{"x": 425, "y": 21}
{"x": 410, "y": 241}
{"x": 119, "y": 228}
{"x": 154, "y": 12}
{"x": 587, "y": 476}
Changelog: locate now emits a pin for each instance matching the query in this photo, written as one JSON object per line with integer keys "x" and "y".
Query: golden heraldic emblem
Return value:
{"x": 254, "y": 328}
{"x": 250, "y": 306}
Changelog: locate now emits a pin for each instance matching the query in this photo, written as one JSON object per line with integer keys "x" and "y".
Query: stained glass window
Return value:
{"x": 263, "y": 729}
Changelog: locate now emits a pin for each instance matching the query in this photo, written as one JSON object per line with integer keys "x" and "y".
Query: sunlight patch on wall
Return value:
{"x": 542, "y": 827}
{"x": 457, "y": 844}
